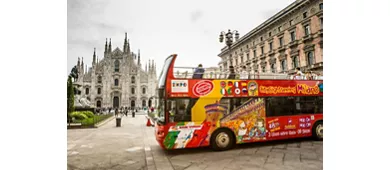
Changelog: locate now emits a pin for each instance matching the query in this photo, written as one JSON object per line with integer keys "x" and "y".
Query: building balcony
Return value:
{"x": 113, "y": 87}
{"x": 262, "y": 56}
{"x": 281, "y": 48}
{"x": 271, "y": 53}
{"x": 307, "y": 38}
{"x": 293, "y": 43}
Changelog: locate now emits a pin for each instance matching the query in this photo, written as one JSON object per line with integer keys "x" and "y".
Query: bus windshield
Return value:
{"x": 161, "y": 90}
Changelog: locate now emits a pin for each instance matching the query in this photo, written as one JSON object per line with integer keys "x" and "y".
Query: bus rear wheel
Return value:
{"x": 318, "y": 130}
{"x": 222, "y": 139}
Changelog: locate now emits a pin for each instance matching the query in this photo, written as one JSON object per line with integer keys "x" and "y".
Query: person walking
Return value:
{"x": 232, "y": 74}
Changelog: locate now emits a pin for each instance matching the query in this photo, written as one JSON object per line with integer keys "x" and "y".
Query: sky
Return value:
{"x": 158, "y": 28}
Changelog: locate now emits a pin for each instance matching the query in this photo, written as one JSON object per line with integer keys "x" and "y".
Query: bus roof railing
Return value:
{"x": 214, "y": 73}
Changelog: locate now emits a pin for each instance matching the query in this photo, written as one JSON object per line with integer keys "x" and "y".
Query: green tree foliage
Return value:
{"x": 70, "y": 96}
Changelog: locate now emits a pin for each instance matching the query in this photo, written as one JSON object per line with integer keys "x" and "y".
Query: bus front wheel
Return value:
{"x": 318, "y": 130}
{"x": 222, "y": 139}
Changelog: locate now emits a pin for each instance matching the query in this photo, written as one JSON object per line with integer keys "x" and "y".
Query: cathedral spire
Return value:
{"x": 146, "y": 67}
{"x": 128, "y": 46}
{"x": 109, "y": 46}
{"x": 105, "y": 47}
{"x": 94, "y": 56}
{"x": 139, "y": 57}
{"x": 78, "y": 62}
{"x": 125, "y": 44}
{"x": 152, "y": 65}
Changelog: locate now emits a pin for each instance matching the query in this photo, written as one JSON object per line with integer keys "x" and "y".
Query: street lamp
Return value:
{"x": 229, "y": 37}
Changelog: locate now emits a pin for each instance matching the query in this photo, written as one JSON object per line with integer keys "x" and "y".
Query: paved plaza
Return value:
{"x": 133, "y": 146}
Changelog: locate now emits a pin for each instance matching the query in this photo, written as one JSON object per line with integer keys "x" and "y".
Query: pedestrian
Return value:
{"x": 232, "y": 74}
{"x": 298, "y": 73}
{"x": 198, "y": 73}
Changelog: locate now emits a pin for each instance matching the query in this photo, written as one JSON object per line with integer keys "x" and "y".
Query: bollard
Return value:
{"x": 118, "y": 121}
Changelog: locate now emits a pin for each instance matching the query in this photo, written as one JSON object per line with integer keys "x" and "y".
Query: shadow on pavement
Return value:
{"x": 238, "y": 146}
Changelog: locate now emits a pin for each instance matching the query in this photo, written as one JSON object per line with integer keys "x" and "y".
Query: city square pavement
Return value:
{"x": 133, "y": 146}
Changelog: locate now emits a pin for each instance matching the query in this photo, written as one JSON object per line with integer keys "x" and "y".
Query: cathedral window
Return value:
{"x": 143, "y": 90}
{"x": 87, "y": 91}
{"x": 99, "y": 91}
{"x": 116, "y": 66}
{"x": 132, "y": 79}
{"x": 116, "y": 82}
{"x": 132, "y": 90}
{"x": 99, "y": 79}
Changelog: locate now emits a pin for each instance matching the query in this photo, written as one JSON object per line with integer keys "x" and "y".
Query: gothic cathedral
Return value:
{"x": 118, "y": 79}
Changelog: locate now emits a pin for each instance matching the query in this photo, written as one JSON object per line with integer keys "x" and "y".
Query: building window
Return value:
{"x": 261, "y": 38}
{"x": 321, "y": 22}
{"x": 247, "y": 57}
{"x": 236, "y": 61}
{"x": 320, "y": 6}
{"x": 254, "y": 53}
{"x": 281, "y": 41}
{"x": 270, "y": 34}
{"x": 270, "y": 46}
{"x": 295, "y": 62}
{"x": 304, "y": 14}
{"x": 132, "y": 79}
{"x": 86, "y": 91}
{"x": 262, "y": 49}
{"x": 280, "y": 28}
{"x": 143, "y": 90}
{"x": 99, "y": 90}
{"x": 263, "y": 69}
{"x": 116, "y": 66}
{"x": 292, "y": 34}
{"x": 116, "y": 82}
{"x": 291, "y": 22}
{"x": 273, "y": 68}
{"x": 99, "y": 79}
{"x": 242, "y": 59}
{"x": 247, "y": 46}
{"x": 310, "y": 58}
{"x": 132, "y": 90}
{"x": 307, "y": 29}
{"x": 283, "y": 65}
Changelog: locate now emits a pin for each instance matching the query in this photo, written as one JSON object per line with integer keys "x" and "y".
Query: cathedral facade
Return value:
{"x": 118, "y": 80}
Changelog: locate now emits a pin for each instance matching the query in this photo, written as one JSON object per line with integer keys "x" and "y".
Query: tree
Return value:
{"x": 70, "y": 97}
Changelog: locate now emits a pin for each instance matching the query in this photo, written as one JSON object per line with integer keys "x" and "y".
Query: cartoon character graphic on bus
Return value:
{"x": 241, "y": 131}
{"x": 258, "y": 131}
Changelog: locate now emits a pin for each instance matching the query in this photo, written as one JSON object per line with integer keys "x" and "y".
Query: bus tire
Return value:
{"x": 317, "y": 131}
{"x": 222, "y": 139}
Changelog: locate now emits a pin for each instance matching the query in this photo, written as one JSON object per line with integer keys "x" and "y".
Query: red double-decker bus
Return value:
{"x": 223, "y": 112}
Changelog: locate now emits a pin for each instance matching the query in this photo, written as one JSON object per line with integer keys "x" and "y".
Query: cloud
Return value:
{"x": 196, "y": 15}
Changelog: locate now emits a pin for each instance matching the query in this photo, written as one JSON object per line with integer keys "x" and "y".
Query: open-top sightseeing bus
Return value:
{"x": 223, "y": 112}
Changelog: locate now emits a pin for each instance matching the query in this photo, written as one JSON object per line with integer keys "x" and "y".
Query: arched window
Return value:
{"x": 132, "y": 90}
{"x": 143, "y": 90}
{"x": 86, "y": 90}
{"x": 263, "y": 69}
{"x": 116, "y": 82}
{"x": 116, "y": 66}
{"x": 99, "y": 79}
{"x": 310, "y": 58}
{"x": 98, "y": 103}
{"x": 143, "y": 103}
{"x": 132, "y": 79}
{"x": 273, "y": 70}
{"x": 99, "y": 91}
{"x": 295, "y": 62}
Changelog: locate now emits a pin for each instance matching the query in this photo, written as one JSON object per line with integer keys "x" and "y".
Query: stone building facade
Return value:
{"x": 118, "y": 80}
{"x": 289, "y": 39}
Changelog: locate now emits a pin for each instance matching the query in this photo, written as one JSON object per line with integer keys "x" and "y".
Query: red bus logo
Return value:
{"x": 202, "y": 88}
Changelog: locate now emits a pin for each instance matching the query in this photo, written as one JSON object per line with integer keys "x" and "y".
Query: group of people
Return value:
{"x": 117, "y": 111}
{"x": 308, "y": 75}
{"x": 244, "y": 74}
